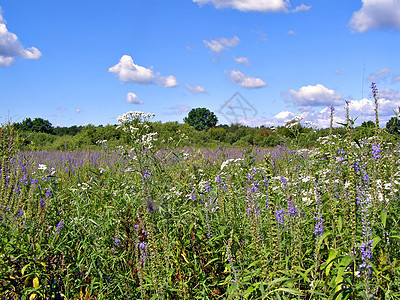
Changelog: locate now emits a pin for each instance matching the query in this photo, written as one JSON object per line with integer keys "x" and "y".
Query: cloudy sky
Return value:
{"x": 257, "y": 62}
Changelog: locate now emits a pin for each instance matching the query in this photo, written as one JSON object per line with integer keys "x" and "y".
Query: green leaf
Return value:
{"x": 290, "y": 291}
{"x": 340, "y": 223}
{"x": 332, "y": 255}
{"x": 376, "y": 241}
{"x": 233, "y": 288}
{"x": 249, "y": 290}
{"x": 24, "y": 269}
{"x": 395, "y": 237}
{"x": 384, "y": 217}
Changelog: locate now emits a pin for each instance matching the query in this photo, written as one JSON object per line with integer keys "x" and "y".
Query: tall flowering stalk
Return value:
{"x": 319, "y": 221}
{"x": 365, "y": 248}
{"x": 375, "y": 96}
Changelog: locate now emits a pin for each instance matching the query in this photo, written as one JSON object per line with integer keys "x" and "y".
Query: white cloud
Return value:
{"x": 77, "y": 110}
{"x": 338, "y": 72}
{"x": 128, "y": 71}
{"x": 169, "y": 81}
{"x": 246, "y": 81}
{"x": 11, "y": 47}
{"x": 301, "y": 7}
{"x": 284, "y": 116}
{"x": 361, "y": 110}
{"x": 310, "y": 95}
{"x": 220, "y": 44}
{"x": 6, "y": 61}
{"x": 291, "y": 32}
{"x": 179, "y": 109}
{"x": 133, "y": 99}
{"x": 320, "y": 118}
{"x": 382, "y": 75}
{"x": 241, "y": 60}
{"x": 376, "y": 14}
{"x": 254, "y": 5}
{"x": 197, "y": 89}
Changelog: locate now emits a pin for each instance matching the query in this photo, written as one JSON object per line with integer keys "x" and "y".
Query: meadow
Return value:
{"x": 144, "y": 222}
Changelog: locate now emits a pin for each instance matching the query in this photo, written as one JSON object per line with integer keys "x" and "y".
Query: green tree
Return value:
{"x": 37, "y": 125}
{"x": 369, "y": 124}
{"x": 201, "y": 119}
{"x": 393, "y": 126}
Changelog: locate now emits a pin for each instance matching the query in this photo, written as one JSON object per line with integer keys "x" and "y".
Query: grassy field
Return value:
{"x": 137, "y": 222}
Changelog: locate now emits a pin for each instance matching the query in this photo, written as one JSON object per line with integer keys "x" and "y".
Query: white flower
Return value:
{"x": 42, "y": 167}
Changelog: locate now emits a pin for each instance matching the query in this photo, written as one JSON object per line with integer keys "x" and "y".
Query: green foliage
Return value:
{"x": 368, "y": 124}
{"x": 393, "y": 126}
{"x": 201, "y": 119}
{"x": 36, "y": 125}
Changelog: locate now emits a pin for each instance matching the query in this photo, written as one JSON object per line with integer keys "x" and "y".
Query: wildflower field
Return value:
{"x": 136, "y": 222}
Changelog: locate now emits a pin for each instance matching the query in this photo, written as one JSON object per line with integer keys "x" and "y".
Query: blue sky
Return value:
{"x": 257, "y": 62}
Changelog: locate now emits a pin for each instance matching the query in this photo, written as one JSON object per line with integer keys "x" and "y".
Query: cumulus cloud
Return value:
{"x": 376, "y": 14}
{"x": 127, "y": 71}
{"x": 220, "y": 44}
{"x": 169, "y": 81}
{"x": 254, "y": 5}
{"x": 133, "y": 99}
{"x": 246, "y": 81}
{"x": 363, "y": 110}
{"x": 197, "y": 89}
{"x": 309, "y": 96}
{"x": 319, "y": 118}
{"x": 179, "y": 109}
{"x": 77, "y": 110}
{"x": 241, "y": 60}
{"x": 11, "y": 47}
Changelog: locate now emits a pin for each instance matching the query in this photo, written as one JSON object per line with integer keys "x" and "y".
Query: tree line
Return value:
{"x": 199, "y": 129}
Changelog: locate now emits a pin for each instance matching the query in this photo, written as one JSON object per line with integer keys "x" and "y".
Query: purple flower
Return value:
{"x": 146, "y": 175}
{"x": 192, "y": 195}
{"x": 60, "y": 225}
{"x": 280, "y": 216}
{"x": 208, "y": 187}
{"x": 117, "y": 241}
{"x": 356, "y": 166}
{"x": 319, "y": 221}
{"x": 42, "y": 203}
{"x": 47, "y": 194}
{"x": 292, "y": 211}
{"x": 376, "y": 151}
{"x": 142, "y": 245}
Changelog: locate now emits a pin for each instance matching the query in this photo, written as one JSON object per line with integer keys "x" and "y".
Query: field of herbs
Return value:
{"x": 138, "y": 222}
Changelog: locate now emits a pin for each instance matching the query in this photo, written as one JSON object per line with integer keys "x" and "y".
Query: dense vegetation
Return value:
{"x": 151, "y": 220}
{"x": 39, "y": 134}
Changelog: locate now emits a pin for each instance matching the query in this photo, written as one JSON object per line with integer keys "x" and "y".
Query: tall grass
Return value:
{"x": 145, "y": 223}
